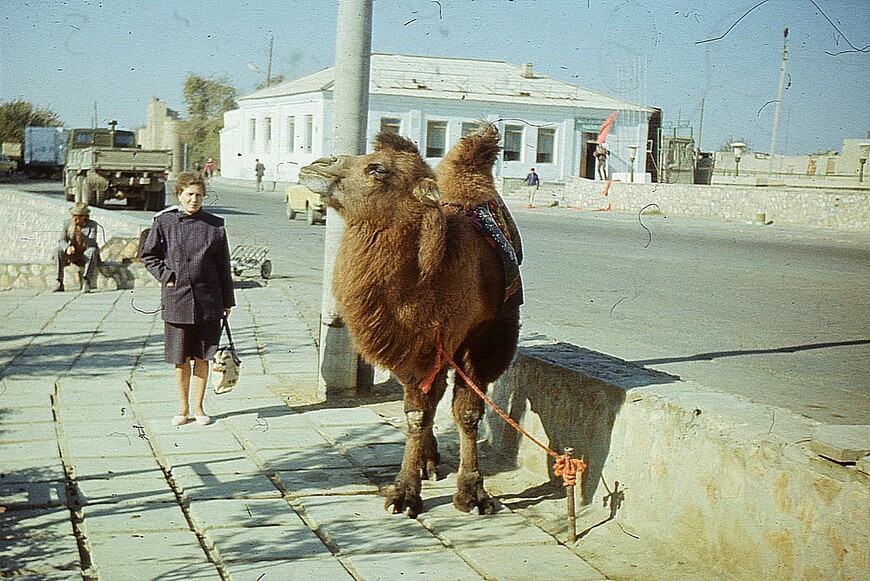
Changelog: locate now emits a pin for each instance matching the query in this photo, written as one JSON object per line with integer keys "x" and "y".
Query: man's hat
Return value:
{"x": 80, "y": 209}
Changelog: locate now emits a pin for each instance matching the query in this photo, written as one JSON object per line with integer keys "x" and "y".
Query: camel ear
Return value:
{"x": 426, "y": 190}
{"x": 433, "y": 239}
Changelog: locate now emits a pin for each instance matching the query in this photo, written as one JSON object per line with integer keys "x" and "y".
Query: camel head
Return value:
{"x": 393, "y": 182}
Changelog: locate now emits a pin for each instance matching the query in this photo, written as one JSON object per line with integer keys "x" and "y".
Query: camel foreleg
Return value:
{"x": 467, "y": 412}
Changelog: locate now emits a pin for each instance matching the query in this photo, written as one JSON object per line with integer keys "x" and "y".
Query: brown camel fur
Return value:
{"x": 411, "y": 273}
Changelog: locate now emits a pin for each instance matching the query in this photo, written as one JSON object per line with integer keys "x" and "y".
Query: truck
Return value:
{"x": 105, "y": 164}
{"x": 44, "y": 149}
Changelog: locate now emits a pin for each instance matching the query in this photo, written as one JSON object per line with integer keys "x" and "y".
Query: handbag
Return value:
{"x": 225, "y": 365}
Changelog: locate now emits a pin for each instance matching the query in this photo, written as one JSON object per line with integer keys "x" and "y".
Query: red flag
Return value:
{"x": 605, "y": 129}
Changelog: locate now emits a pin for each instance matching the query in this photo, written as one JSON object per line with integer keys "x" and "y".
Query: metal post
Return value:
{"x": 339, "y": 363}
{"x": 572, "y": 514}
{"x": 778, "y": 103}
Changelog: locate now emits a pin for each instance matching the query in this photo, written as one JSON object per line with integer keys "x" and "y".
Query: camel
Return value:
{"x": 413, "y": 275}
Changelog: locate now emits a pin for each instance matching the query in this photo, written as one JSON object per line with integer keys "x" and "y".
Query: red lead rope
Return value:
{"x": 566, "y": 466}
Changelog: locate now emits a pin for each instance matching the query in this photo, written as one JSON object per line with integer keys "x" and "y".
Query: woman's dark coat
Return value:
{"x": 191, "y": 250}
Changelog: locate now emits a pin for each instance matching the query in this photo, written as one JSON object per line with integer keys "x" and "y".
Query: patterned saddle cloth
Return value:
{"x": 494, "y": 222}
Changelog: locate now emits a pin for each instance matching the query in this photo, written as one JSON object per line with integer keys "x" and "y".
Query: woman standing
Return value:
{"x": 188, "y": 252}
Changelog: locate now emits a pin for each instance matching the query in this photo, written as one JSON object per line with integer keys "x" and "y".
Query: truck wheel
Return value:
{"x": 81, "y": 189}
{"x": 266, "y": 269}
{"x": 313, "y": 216}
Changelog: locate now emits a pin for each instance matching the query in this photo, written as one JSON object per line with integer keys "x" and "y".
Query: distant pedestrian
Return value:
{"x": 259, "y": 169}
{"x": 188, "y": 252}
{"x": 601, "y": 157}
{"x": 533, "y": 182}
{"x": 209, "y": 168}
{"x": 78, "y": 245}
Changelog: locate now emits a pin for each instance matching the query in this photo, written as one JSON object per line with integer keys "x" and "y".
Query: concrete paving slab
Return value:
{"x": 195, "y": 438}
{"x": 377, "y": 455}
{"x": 125, "y": 489}
{"x": 111, "y": 466}
{"x": 326, "y": 482}
{"x": 231, "y": 404}
{"x": 524, "y": 562}
{"x": 145, "y": 549}
{"x": 160, "y": 572}
{"x": 133, "y": 517}
{"x": 108, "y": 443}
{"x": 215, "y": 486}
{"x": 30, "y": 469}
{"x": 379, "y": 536}
{"x": 465, "y": 531}
{"x": 356, "y": 507}
{"x": 361, "y": 436}
{"x": 248, "y": 512}
{"x": 219, "y": 463}
{"x": 343, "y": 417}
{"x": 437, "y": 565}
{"x": 33, "y": 494}
{"x": 304, "y": 459}
{"x": 30, "y": 406}
{"x": 47, "y": 555}
{"x": 27, "y": 523}
{"x": 263, "y": 437}
{"x": 312, "y": 569}
{"x": 270, "y": 543}
{"x": 274, "y": 416}
{"x": 27, "y": 432}
{"x": 839, "y": 443}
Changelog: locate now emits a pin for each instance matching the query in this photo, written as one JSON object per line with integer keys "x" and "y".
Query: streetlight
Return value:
{"x": 865, "y": 147}
{"x": 632, "y": 155}
{"x": 737, "y": 147}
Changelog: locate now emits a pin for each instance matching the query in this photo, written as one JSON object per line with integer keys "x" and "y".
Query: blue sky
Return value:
{"x": 66, "y": 55}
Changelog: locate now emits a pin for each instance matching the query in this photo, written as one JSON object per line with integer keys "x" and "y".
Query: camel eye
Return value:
{"x": 377, "y": 170}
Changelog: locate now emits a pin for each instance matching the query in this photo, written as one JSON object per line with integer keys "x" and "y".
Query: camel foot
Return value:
{"x": 471, "y": 497}
{"x": 404, "y": 498}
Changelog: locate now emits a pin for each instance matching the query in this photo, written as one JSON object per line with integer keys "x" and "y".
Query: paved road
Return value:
{"x": 777, "y": 314}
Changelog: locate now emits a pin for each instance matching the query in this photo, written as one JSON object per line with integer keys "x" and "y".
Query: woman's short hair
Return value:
{"x": 186, "y": 179}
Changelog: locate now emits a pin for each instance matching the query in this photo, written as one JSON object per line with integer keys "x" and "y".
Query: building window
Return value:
{"x": 546, "y": 143}
{"x": 469, "y": 128}
{"x": 391, "y": 125}
{"x": 309, "y": 133}
{"x": 436, "y": 138}
{"x": 291, "y": 134}
{"x": 267, "y": 135}
{"x": 513, "y": 142}
{"x": 252, "y": 134}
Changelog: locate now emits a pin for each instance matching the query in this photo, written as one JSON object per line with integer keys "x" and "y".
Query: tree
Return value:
{"x": 207, "y": 100}
{"x": 274, "y": 80}
{"x": 16, "y": 115}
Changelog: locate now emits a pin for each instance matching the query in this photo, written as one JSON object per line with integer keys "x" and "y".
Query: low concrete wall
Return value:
{"x": 725, "y": 482}
{"x": 32, "y": 228}
{"x": 829, "y": 208}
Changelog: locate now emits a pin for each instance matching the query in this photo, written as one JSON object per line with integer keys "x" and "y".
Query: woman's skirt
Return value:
{"x": 182, "y": 342}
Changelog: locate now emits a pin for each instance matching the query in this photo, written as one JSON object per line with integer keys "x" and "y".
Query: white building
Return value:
{"x": 545, "y": 123}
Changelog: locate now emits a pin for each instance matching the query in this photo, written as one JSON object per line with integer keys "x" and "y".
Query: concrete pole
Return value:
{"x": 341, "y": 372}
{"x": 778, "y": 103}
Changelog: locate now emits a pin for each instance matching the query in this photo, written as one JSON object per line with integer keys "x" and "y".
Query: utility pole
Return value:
{"x": 778, "y": 103}
{"x": 269, "y": 63}
{"x": 341, "y": 371}
{"x": 700, "y": 125}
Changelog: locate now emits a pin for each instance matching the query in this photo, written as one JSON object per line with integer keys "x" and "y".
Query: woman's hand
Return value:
{"x": 170, "y": 283}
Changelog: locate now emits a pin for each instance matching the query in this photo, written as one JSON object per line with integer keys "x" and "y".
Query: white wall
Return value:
{"x": 238, "y": 153}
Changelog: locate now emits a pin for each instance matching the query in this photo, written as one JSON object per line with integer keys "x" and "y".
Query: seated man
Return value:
{"x": 78, "y": 245}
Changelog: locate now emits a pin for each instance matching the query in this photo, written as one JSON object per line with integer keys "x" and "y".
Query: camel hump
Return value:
{"x": 476, "y": 152}
{"x": 394, "y": 141}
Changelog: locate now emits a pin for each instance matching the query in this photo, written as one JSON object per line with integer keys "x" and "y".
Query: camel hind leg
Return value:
{"x": 421, "y": 456}
{"x": 483, "y": 360}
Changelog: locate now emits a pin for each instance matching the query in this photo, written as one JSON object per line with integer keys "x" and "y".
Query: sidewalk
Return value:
{"x": 95, "y": 483}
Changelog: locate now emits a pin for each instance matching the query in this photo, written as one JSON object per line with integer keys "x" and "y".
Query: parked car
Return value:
{"x": 301, "y": 200}
{"x": 7, "y": 165}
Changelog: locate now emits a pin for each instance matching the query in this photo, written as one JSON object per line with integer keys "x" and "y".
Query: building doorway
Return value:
{"x": 587, "y": 155}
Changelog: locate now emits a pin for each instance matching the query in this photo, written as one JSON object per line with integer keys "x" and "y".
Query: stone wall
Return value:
{"x": 731, "y": 483}
{"x": 829, "y": 207}
{"x": 33, "y": 225}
